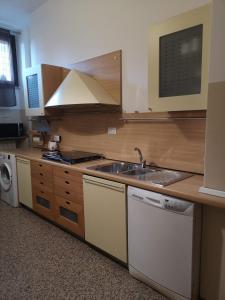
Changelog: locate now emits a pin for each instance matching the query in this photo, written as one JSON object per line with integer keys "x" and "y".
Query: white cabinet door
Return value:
{"x": 24, "y": 182}
{"x": 179, "y": 61}
{"x": 105, "y": 216}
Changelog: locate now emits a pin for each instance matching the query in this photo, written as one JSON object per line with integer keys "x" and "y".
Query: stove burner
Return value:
{"x": 70, "y": 157}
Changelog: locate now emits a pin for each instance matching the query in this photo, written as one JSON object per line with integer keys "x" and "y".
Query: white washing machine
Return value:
{"x": 8, "y": 179}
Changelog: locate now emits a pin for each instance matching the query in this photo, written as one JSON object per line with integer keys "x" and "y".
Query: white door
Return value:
{"x": 105, "y": 215}
{"x": 24, "y": 182}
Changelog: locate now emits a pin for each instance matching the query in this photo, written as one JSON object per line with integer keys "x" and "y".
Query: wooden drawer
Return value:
{"x": 41, "y": 170}
{"x": 70, "y": 215}
{"x": 68, "y": 174}
{"x": 41, "y": 184}
{"x": 69, "y": 189}
{"x": 43, "y": 203}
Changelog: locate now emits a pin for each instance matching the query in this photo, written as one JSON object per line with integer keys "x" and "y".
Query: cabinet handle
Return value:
{"x": 68, "y": 193}
{"x": 40, "y": 165}
{"x": 42, "y": 192}
{"x": 67, "y": 182}
{"x": 67, "y": 202}
{"x": 41, "y": 182}
{"x": 108, "y": 186}
{"x": 41, "y": 174}
{"x": 67, "y": 172}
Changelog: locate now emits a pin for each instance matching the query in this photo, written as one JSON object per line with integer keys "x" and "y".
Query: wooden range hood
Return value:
{"x": 96, "y": 81}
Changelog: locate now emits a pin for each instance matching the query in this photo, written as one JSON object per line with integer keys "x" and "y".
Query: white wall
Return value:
{"x": 64, "y": 32}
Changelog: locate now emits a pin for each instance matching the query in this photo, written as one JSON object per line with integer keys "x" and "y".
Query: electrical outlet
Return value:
{"x": 111, "y": 130}
{"x": 57, "y": 138}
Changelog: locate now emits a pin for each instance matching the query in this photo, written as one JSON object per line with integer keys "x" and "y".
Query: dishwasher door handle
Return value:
{"x": 101, "y": 184}
{"x": 148, "y": 200}
{"x": 153, "y": 202}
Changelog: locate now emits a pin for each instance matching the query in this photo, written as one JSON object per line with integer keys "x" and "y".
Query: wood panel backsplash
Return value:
{"x": 176, "y": 144}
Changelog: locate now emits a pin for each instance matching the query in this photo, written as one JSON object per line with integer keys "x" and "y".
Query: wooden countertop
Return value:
{"x": 185, "y": 189}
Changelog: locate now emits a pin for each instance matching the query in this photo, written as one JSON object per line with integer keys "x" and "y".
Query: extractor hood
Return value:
{"x": 78, "y": 88}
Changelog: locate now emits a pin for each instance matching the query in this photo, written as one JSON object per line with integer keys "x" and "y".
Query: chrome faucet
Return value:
{"x": 142, "y": 160}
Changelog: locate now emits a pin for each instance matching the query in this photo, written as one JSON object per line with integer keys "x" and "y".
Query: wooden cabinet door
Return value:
{"x": 70, "y": 215}
{"x": 179, "y": 61}
{"x": 105, "y": 215}
{"x": 69, "y": 189}
{"x": 24, "y": 182}
{"x": 43, "y": 192}
{"x": 43, "y": 203}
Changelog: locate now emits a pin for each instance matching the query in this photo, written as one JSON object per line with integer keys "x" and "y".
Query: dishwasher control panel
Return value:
{"x": 176, "y": 205}
{"x": 161, "y": 201}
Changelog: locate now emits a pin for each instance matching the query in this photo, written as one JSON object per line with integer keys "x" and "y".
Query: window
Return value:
{"x": 8, "y": 69}
{"x": 5, "y": 62}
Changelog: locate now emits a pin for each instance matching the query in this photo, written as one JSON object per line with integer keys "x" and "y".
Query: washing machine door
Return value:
{"x": 5, "y": 177}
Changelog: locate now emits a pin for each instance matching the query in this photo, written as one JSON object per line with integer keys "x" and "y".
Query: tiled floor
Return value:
{"x": 41, "y": 261}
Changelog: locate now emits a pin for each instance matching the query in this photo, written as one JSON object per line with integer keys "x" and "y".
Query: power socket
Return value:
{"x": 57, "y": 138}
{"x": 111, "y": 130}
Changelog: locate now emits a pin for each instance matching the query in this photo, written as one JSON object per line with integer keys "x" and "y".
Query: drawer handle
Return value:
{"x": 42, "y": 192}
{"x": 41, "y": 182}
{"x": 68, "y": 193}
{"x": 41, "y": 174}
{"x": 67, "y": 182}
{"x": 67, "y": 202}
{"x": 40, "y": 165}
{"x": 67, "y": 172}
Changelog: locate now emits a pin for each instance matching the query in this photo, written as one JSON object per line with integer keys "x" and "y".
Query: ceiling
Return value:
{"x": 15, "y": 13}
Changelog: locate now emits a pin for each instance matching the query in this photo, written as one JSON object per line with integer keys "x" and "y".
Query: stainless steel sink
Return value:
{"x": 139, "y": 171}
{"x": 159, "y": 176}
{"x": 115, "y": 168}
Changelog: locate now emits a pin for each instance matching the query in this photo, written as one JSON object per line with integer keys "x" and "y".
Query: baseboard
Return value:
{"x": 212, "y": 192}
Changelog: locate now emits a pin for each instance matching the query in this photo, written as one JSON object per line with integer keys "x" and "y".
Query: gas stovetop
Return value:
{"x": 70, "y": 157}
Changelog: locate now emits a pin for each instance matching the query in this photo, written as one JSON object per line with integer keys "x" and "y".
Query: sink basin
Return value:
{"x": 159, "y": 176}
{"x": 139, "y": 171}
{"x": 115, "y": 168}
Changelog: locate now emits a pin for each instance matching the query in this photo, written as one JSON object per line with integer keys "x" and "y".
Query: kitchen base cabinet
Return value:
{"x": 70, "y": 215}
{"x": 24, "y": 182}
{"x": 43, "y": 192}
{"x": 68, "y": 190}
{"x": 105, "y": 215}
{"x": 43, "y": 203}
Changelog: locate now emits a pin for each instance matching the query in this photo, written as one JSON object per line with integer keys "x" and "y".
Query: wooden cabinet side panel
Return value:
{"x": 52, "y": 77}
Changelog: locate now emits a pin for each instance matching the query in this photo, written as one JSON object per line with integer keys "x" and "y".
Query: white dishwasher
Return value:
{"x": 164, "y": 242}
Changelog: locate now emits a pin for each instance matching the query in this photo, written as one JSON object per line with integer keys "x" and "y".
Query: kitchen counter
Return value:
{"x": 185, "y": 189}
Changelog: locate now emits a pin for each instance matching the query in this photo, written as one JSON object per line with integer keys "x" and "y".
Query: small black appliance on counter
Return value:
{"x": 11, "y": 130}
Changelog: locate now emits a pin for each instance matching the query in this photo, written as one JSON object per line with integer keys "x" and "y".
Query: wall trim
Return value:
{"x": 212, "y": 192}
